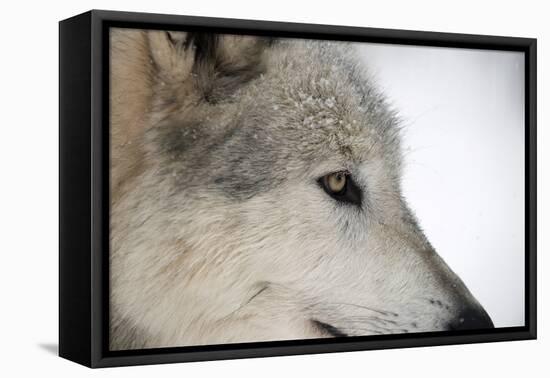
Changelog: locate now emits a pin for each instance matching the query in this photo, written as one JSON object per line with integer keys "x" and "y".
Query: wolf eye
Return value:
{"x": 336, "y": 182}
{"x": 341, "y": 187}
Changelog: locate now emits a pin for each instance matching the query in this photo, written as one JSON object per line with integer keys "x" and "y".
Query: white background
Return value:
{"x": 463, "y": 120}
{"x": 28, "y": 156}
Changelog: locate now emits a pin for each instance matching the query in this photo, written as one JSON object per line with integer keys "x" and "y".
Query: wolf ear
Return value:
{"x": 215, "y": 65}
{"x": 170, "y": 55}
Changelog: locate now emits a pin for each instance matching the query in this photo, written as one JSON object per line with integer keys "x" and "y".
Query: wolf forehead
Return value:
{"x": 311, "y": 102}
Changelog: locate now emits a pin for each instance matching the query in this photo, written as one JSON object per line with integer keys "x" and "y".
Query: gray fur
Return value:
{"x": 220, "y": 231}
{"x": 258, "y": 140}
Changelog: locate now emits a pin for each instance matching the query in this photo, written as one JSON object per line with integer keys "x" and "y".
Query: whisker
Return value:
{"x": 376, "y": 327}
{"x": 373, "y": 320}
{"x": 366, "y": 308}
{"x": 374, "y": 323}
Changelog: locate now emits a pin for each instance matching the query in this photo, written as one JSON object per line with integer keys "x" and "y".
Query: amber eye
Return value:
{"x": 340, "y": 186}
{"x": 336, "y": 182}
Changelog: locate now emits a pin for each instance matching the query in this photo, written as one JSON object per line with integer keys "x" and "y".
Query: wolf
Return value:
{"x": 256, "y": 196}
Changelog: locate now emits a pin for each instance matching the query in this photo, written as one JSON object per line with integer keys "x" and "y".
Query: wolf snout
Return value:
{"x": 471, "y": 318}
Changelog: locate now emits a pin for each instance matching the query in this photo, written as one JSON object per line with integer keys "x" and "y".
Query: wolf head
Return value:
{"x": 260, "y": 198}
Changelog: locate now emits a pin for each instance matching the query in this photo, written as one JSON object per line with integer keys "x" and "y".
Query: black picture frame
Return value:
{"x": 84, "y": 188}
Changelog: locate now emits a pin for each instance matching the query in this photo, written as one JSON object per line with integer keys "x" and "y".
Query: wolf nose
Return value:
{"x": 472, "y": 318}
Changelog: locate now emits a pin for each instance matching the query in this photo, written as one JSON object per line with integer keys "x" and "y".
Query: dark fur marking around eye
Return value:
{"x": 351, "y": 194}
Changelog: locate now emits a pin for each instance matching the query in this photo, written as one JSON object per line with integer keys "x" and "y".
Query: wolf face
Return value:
{"x": 256, "y": 196}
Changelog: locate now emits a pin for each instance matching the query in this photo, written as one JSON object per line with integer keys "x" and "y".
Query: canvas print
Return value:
{"x": 267, "y": 189}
